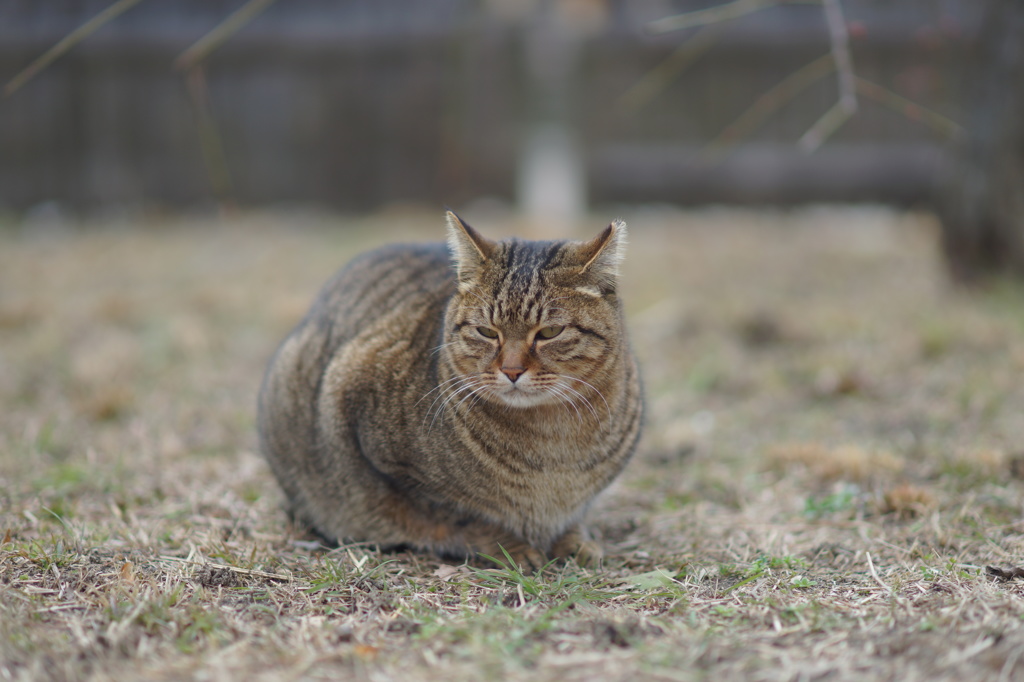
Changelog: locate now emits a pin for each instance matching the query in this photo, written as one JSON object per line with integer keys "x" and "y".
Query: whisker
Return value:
{"x": 486, "y": 306}
{"x": 594, "y": 388}
{"x": 585, "y": 401}
{"x": 466, "y": 383}
{"x": 469, "y": 385}
{"x": 446, "y": 396}
{"x": 476, "y": 394}
{"x": 438, "y": 349}
{"x": 441, "y": 385}
{"x": 565, "y": 400}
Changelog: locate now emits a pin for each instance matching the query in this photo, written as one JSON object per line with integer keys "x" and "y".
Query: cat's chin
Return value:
{"x": 521, "y": 398}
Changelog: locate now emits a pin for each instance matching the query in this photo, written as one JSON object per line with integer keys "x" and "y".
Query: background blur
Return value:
{"x": 361, "y": 103}
{"x": 550, "y": 106}
{"x": 832, "y": 471}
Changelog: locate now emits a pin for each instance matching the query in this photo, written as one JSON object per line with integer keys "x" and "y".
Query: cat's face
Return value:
{"x": 534, "y": 323}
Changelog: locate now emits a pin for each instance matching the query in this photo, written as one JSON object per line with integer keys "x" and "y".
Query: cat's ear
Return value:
{"x": 469, "y": 248}
{"x": 602, "y": 254}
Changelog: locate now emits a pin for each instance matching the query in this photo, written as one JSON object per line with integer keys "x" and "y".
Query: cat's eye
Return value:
{"x": 487, "y": 332}
{"x": 550, "y": 332}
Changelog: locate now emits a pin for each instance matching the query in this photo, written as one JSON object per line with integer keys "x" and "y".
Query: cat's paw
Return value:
{"x": 588, "y": 553}
{"x": 525, "y": 557}
{"x": 576, "y": 543}
{"x": 529, "y": 559}
{"x": 485, "y": 542}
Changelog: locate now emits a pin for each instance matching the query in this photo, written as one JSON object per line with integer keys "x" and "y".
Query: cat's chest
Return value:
{"x": 532, "y": 472}
{"x": 542, "y": 491}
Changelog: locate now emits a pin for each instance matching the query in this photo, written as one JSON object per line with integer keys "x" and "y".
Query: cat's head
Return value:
{"x": 535, "y": 323}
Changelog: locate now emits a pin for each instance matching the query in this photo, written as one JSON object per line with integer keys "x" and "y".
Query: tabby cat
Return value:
{"x": 458, "y": 402}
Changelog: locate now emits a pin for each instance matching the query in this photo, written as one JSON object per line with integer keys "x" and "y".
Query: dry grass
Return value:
{"x": 833, "y": 457}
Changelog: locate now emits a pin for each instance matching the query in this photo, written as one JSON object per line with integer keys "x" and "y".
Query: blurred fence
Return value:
{"x": 363, "y": 102}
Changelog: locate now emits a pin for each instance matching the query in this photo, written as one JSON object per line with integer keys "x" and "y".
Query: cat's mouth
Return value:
{"x": 528, "y": 391}
{"x": 515, "y": 397}
{"x": 521, "y": 394}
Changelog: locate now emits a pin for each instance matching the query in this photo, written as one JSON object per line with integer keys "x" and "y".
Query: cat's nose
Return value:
{"x": 513, "y": 373}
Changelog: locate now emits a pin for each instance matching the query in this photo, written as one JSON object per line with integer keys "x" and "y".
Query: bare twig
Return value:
{"x": 209, "y": 136}
{"x": 191, "y": 61}
{"x": 874, "y": 574}
{"x": 658, "y": 78}
{"x": 846, "y": 106}
{"x": 61, "y": 607}
{"x": 68, "y": 42}
{"x": 838, "y": 60}
{"x": 839, "y": 40}
{"x": 909, "y": 109}
{"x": 220, "y": 33}
{"x": 770, "y": 102}
{"x": 235, "y": 569}
{"x": 711, "y": 15}
{"x": 824, "y": 127}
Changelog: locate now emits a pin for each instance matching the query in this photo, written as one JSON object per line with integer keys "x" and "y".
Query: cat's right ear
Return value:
{"x": 470, "y": 249}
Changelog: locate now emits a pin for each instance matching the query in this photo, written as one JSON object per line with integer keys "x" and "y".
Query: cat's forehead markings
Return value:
{"x": 468, "y": 288}
{"x": 589, "y": 291}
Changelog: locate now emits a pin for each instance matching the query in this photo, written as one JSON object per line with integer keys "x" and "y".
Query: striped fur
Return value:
{"x": 421, "y": 404}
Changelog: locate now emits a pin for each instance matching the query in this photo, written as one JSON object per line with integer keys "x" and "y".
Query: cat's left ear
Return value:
{"x": 470, "y": 249}
{"x": 603, "y": 253}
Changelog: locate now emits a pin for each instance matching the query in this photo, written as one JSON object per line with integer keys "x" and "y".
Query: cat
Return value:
{"x": 460, "y": 401}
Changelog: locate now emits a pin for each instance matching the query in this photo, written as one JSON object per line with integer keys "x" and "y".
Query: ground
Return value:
{"x": 833, "y": 459}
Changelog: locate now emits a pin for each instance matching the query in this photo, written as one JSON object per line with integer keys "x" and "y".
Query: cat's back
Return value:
{"x": 415, "y": 279}
{"x": 395, "y": 295}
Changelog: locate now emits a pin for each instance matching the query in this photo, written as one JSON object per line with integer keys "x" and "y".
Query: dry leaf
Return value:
{"x": 447, "y": 572}
{"x": 845, "y": 462}
{"x": 832, "y": 382}
{"x": 1005, "y": 574}
{"x": 907, "y": 501}
{"x": 367, "y": 652}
